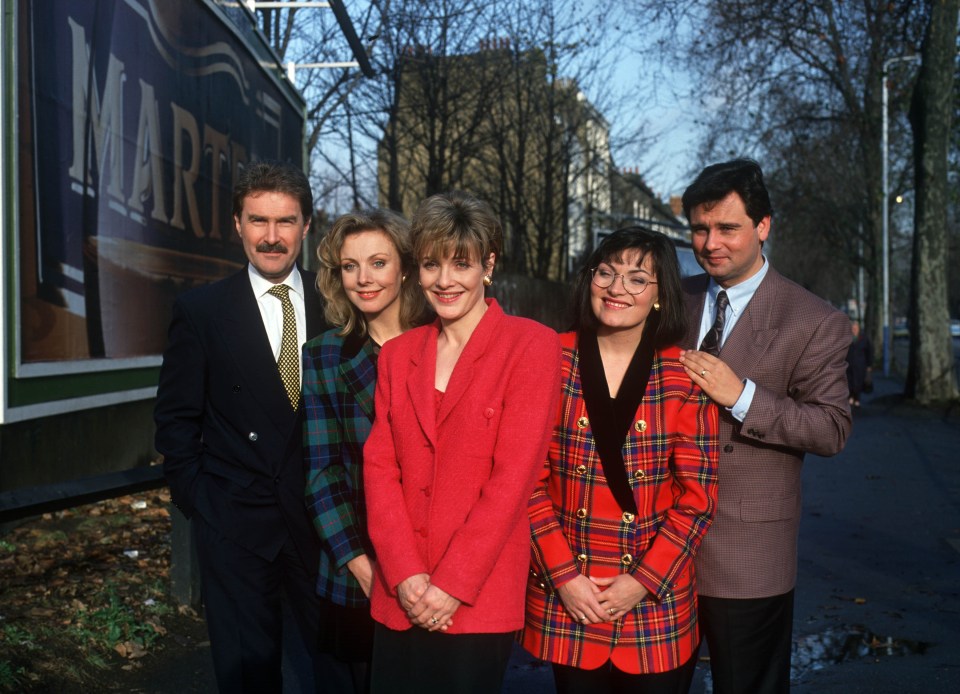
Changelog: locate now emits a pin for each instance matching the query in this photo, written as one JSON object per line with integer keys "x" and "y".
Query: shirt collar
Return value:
{"x": 261, "y": 285}
{"x": 739, "y": 295}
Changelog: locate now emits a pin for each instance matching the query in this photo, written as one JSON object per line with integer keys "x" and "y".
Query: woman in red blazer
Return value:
{"x": 464, "y": 414}
{"x": 629, "y": 486}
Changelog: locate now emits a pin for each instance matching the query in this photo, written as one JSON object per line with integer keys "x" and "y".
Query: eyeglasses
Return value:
{"x": 603, "y": 278}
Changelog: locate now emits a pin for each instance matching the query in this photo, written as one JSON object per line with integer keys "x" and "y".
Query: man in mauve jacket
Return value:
{"x": 772, "y": 356}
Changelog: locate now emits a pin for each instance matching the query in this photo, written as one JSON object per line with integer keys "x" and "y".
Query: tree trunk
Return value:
{"x": 931, "y": 376}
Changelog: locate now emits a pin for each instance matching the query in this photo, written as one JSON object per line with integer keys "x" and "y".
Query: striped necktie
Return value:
{"x": 288, "y": 363}
{"x": 711, "y": 341}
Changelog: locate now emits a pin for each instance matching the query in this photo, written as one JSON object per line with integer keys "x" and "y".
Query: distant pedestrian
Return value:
{"x": 629, "y": 486}
{"x": 859, "y": 364}
{"x": 367, "y": 277}
{"x": 464, "y": 410}
{"x": 773, "y": 357}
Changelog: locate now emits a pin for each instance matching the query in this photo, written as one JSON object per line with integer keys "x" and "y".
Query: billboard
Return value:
{"x": 134, "y": 119}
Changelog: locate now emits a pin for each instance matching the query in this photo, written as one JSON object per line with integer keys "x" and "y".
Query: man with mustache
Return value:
{"x": 229, "y": 425}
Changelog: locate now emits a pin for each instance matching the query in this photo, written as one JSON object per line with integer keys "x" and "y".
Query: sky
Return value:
{"x": 670, "y": 159}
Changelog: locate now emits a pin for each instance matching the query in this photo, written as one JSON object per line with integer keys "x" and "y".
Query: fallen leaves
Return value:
{"x": 86, "y": 589}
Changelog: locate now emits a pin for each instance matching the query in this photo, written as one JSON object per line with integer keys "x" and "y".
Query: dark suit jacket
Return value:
{"x": 231, "y": 442}
{"x": 793, "y": 345}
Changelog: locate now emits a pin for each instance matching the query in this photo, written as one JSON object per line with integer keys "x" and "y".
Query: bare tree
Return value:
{"x": 931, "y": 376}
{"x": 310, "y": 36}
{"x": 767, "y": 69}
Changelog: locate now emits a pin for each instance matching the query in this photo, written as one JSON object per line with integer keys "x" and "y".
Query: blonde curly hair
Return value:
{"x": 338, "y": 309}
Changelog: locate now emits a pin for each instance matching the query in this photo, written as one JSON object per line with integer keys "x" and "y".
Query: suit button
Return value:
{"x": 581, "y": 513}
{"x": 628, "y": 517}
{"x": 581, "y": 557}
{"x": 582, "y": 423}
{"x": 728, "y": 448}
{"x": 426, "y": 491}
{"x": 236, "y": 389}
{"x": 276, "y": 480}
{"x": 639, "y": 475}
{"x": 253, "y": 436}
{"x": 640, "y": 425}
{"x": 626, "y": 559}
{"x": 581, "y": 469}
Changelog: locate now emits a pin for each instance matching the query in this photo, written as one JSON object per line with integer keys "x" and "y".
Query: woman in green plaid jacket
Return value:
{"x": 364, "y": 277}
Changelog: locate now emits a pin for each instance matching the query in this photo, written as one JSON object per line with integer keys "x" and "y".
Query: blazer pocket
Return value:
{"x": 766, "y": 510}
{"x": 488, "y": 426}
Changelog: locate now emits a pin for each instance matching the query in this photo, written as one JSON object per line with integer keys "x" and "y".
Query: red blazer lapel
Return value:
{"x": 421, "y": 383}
{"x": 464, "y": 372}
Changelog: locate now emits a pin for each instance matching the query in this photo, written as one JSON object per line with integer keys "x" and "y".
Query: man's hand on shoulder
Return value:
{"x": 714, "y": 377}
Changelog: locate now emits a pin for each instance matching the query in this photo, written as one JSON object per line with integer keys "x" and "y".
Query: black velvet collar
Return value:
{"x": 611, "y": 418}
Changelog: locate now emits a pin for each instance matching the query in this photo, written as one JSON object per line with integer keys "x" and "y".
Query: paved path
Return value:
{"x": 880, "y": 547}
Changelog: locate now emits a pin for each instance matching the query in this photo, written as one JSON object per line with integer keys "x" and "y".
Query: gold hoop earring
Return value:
{"x": 656, "y": 305}
{"x": 487, "y": 280}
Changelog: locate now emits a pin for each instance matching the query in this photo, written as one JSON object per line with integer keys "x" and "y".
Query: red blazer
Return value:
{"x": 446, "y": 490}
{"x": 671, "y": 457}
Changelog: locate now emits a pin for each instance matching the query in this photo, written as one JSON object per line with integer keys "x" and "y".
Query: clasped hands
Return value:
{"x": 591, "y": 600}
{"x": 426, "y": 605}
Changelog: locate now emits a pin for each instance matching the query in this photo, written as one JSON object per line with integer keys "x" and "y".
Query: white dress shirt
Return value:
{"x": 739, "y": 295}
{"x": 271, "y": 310}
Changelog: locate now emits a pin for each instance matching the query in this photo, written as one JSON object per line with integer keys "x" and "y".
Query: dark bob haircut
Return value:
{"x": 668, "y": 325}
{"x": 741, "y": 176}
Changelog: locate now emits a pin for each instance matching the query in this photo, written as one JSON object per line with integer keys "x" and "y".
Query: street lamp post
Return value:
{"x": 886, "y": 214}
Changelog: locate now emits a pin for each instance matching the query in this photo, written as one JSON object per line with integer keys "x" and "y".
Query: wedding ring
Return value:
{"x": 703, "y": 372}
{"x": 611, "y": 612}
{"x": 434, "y": 620}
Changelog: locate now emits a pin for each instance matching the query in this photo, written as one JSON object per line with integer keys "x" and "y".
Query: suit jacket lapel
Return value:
{"x": 750, "y": 338}
{"x": 246, "y": 339}
{"x": 312, "y": 306}
{"x": 421, "y": 382}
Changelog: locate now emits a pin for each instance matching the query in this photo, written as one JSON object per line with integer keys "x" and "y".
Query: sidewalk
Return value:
{"x": 879, "y": 552}
{"x": 880, "y": 548}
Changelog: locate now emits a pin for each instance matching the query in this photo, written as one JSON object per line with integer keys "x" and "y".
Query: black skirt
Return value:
{"x": 347, "y": 633}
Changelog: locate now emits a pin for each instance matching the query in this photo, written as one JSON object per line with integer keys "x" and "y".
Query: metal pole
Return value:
{"x": 886, "y": 216}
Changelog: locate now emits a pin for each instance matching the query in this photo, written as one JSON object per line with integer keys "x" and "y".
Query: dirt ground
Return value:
{"x": 84, "y": 603}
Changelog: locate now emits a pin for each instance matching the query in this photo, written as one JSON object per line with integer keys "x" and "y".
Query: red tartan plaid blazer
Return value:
{"x": 671, "y": 457}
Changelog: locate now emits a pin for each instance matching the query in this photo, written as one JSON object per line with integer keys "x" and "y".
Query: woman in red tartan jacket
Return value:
{"x": 629, "y": 486}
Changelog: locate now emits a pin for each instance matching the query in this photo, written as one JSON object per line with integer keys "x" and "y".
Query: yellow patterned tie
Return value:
{"x": 288, "y": 363}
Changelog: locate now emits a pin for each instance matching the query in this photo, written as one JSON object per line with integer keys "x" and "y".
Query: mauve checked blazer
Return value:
{"x": 447, "y": 489}
{"x": 793, "y": 345}
{"x": 339, "y": 378}
{"x": 670, "y": 456}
